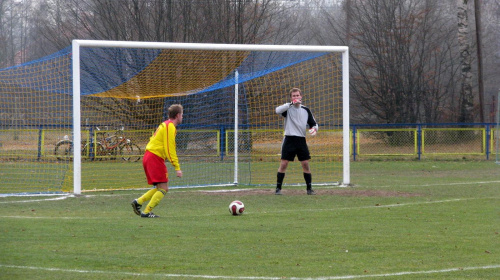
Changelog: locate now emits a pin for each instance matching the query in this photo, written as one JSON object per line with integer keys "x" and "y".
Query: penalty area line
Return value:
{"x": 441, "y": 184}
{"x": 436, "y": 271}
{"x": 167, "y": 275}
{"x": 382, "y": 206}
{"x": 38, "y": 200}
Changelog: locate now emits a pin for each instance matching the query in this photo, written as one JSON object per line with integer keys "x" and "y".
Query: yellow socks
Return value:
{"x": 154, "y": 196}
{"x": 155, "y": 200}
{"x": 147, "y": 196}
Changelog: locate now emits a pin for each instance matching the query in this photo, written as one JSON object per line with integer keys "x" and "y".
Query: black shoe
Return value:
{"x": 278, "y": 191}
{"x": 311, "y": 192}
{"x": 149, "y": 215}
{"x": 137, "y": 207}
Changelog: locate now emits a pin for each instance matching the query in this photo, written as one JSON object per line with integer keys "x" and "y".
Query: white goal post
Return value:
{"x": 78, "y": 45}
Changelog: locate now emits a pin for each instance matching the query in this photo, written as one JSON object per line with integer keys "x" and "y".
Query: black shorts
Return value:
{"x": 295, "y": 146}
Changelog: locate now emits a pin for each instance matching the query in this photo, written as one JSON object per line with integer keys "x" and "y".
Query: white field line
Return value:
{"x": 443, "y": 184}
{"x": 38, "y": 200}
{"x": 275, "y": 211}
{"x": 168, "y": 275}
{"x": 382, "y": 205}
{"x": 52, "y": 218}
{"x": 62, "y": 197}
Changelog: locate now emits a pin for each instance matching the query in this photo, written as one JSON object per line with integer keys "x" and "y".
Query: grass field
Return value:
{"x": 400, "y": 220}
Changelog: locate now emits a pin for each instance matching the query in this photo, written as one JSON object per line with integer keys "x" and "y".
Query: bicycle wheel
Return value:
{"x": 86, "y": 152}
{"x": 130, "y": 152}
{"x": 64, "y": 150}
{"x": 96, "y": 153}
{"x": 99, "y": 153}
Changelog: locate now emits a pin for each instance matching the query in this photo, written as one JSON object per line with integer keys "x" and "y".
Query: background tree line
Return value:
{"x": 411, "y": 60}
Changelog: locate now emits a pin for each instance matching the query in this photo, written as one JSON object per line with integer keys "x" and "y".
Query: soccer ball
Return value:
{"x": 236, "y": 208}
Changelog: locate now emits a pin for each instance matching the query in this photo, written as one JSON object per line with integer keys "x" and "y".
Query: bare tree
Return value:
{"x": 215, "y": 21}
{"x": 50, "y": 25}
{"x": 4, "y": 46}
{"x": 402, "y": 65}
{"x": 9, "y": 25}
{"x": 491, "y": 54}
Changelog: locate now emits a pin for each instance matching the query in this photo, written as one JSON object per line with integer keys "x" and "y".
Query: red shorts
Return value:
{"x": 155, "y": 168}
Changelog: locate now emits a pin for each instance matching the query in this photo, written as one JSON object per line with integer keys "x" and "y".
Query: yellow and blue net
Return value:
{"x": 125, "y": 94}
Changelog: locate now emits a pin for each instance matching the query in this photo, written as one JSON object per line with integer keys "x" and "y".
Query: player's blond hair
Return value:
{"x": 173, "y": 110}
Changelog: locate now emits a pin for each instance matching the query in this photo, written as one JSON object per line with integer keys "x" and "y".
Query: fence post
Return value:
{"x": 488, "y": 134}
{"x": 91, "y": 143}
{"x": 222, "y": 142}
{"x": 354, "y": 142}
{"x": 40, "y": 142}
{"x": 419, "y": 141}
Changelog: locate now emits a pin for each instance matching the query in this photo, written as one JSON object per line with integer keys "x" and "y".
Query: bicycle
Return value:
{"x": 110, "y": 146}
{"x": 64, "y": 149}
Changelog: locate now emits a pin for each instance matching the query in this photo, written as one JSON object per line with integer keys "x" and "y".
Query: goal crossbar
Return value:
{"x": 207, "y": 46}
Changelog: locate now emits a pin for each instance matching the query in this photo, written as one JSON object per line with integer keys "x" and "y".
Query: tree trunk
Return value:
{"x": 466, "y": 103}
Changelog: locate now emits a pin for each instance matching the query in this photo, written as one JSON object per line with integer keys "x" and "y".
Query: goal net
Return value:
{"x": 80, "y": 119}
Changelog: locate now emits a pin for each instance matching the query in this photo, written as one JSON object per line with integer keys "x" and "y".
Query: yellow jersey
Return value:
{"x": 162, "y": 143}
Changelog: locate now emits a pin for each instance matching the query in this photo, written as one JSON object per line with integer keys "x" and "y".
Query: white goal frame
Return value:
{"x": 77, "y": 44}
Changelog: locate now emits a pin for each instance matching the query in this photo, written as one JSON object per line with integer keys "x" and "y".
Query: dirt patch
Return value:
{"x": 338, "y": 192}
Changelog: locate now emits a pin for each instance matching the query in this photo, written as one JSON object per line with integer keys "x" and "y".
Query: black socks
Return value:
{"x": 280, "y": 176}
{"x": 308, "y": 178}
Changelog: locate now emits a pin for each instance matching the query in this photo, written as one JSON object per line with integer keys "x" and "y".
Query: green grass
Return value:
{"x": 400, "y": 220}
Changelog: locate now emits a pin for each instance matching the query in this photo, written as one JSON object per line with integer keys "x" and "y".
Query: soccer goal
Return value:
{"x": 79, "y": 120}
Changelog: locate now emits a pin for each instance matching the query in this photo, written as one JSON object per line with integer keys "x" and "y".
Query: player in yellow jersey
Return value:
{"x": 161, "y": 147}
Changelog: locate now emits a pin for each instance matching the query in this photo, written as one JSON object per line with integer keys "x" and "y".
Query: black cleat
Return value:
{"x": 278, "y": 191}
{"x": 311, "y": 192}
{"x": 137, "y": 207}
{"x": 149, "y": 215}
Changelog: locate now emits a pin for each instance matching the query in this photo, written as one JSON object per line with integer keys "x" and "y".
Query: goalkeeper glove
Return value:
{"x": 313, "y": 131}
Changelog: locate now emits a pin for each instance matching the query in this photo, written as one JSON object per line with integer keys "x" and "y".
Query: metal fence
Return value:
{"x": 449, "y": 140}
{"x": 368, "y": 141}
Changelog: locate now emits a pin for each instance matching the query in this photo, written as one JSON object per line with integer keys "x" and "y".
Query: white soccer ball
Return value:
{"x": 236, "y": 208}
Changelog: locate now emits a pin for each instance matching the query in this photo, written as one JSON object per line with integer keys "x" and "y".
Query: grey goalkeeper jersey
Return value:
{"x": 297, "y": 120}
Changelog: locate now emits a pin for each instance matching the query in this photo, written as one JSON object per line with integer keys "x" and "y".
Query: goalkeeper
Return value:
{"x": 297, "y": 119}
{"x": 161, "y": 147}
